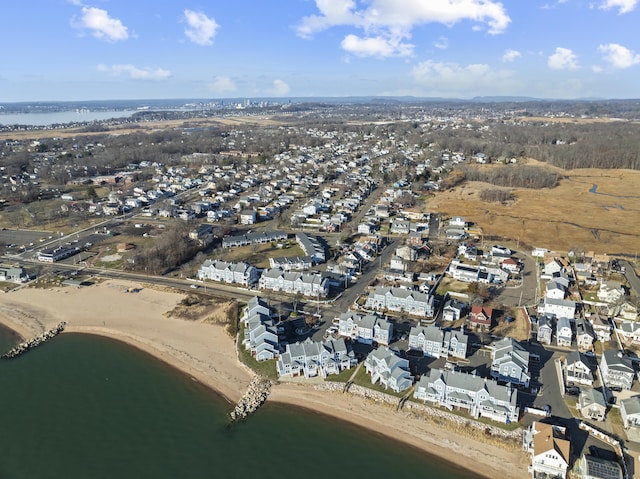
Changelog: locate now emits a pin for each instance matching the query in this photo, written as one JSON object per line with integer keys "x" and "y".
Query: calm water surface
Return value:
{"x": 82, "y": 406}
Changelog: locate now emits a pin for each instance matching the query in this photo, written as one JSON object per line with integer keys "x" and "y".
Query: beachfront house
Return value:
{"x": 478, "y": 396}
{"x": 510, "y": 362}
{"x": 617, "y": 371}
{"x": 315, "y": 358}
{"x": 594, "y": 467}
{"x": 260, "y": 334}
{"x": 550, "y": 450}
{"x": 389, "y": 369}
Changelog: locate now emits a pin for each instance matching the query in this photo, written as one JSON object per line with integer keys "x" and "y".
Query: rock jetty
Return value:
{"x": 34, "y": 342}
{"x": 256, "y": 394}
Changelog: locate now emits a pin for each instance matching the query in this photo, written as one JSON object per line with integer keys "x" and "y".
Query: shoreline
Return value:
{"x": 206, "y": 353}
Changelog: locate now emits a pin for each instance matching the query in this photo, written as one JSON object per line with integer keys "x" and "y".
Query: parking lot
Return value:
{"x": 12, "y": 241}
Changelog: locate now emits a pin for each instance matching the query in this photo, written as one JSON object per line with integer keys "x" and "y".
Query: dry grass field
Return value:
{"x": 604, "y": 218}
{"x": 146, "y": 127}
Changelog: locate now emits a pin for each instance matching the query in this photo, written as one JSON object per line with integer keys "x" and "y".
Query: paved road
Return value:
{"x": 631, "y": 276}
{"x": 526, "y": 293}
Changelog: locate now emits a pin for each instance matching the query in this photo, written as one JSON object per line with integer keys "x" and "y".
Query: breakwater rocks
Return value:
{"x": 421, "y": 412}
{"x": 34, "y": 342}
{"x": 255, "y": 396}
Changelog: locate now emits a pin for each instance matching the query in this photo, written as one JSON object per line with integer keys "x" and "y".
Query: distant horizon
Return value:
{"x": 337, "y": 98}
{"x": 74, "y": 50}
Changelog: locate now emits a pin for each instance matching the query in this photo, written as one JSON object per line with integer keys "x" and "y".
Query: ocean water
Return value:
{"x": 60, "y": 117}
{"x": 81, "y": 406}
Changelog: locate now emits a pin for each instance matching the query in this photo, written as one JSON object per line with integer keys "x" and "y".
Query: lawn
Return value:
{"x": 343, "y": 377}
{"x": 258, "y": 255}
{"x": 363, "y": 379}
{"x": 263, "y": 368}
{"x": 449, "y": 284}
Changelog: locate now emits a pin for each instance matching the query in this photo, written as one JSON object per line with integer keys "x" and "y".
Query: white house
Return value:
{"x": 307, "y": 284}
{"x": 577, "y": 369}
{"x": 239, "y": 273}
{"x": 550, "y": 452}
{"x": 564, "y": 333}
{"x": 617, "y": 371}
{"x": 390, "y": 370}
{"x": 400, "y": 299}
{"x": 479, "y": 397}
{"x": 310, "y": 358}
{"x": 365, "y": 329}
{"x": 630, "y": 412}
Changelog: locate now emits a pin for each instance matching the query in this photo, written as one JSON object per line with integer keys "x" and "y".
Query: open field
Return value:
{"x": 258, "y": 255}
{"x": 591, "y": 210}
{"x": 143, "y": 127}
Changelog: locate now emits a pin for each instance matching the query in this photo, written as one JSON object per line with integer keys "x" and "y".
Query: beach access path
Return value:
{"x": 207, "y": 354}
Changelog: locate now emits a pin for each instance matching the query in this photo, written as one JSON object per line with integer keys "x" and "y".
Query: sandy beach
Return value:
{"x": 207, "y": 353}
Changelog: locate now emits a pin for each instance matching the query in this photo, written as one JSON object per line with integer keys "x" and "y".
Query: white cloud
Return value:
{"x": 279, "y": 88}
{"x": 201, "y": 29}
{"x": 452, "y": 79}
{"x": 619, "y": 56}
{"x": 623, "y": 6}
{"x": 442, "y": 43}
{"x": 511, "y": 55}
{"x": 376, "y": 46}
{"x": 101, "y": 25}
{"x": 222, "y": 84}
{"x": 391, "y": 21}
{"x": 563, "y": 59}
{"x": 135, "y": 72}
{"x": 596, "y": 69}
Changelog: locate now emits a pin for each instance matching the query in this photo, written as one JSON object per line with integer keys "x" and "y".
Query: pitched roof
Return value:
{"x": 545, "y": 440}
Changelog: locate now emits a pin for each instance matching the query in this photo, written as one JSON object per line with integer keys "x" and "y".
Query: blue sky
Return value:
{"x": 137, "y": 49}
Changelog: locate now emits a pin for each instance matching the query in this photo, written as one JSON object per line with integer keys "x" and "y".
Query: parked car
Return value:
{"x": 573, "y": 391}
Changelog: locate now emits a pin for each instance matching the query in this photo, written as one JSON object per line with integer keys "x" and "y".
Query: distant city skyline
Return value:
{"x": 73, "y": 50}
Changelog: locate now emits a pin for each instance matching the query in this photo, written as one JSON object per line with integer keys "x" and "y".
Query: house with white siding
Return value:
{"x": 456, "y": 343}
{"x": 307, "y": 284}
{"x": 560, "y": 308}
{"x": 311, "y": 358}
{"x": 550, "y": 451}
{"x": 577, "y": 369}
{"x": 617, "y": 371}
{"x": 366, "y": 329}
{"x": 236, "y": 273}
{"x": 389, "y": 369}
{"x": 601, "y": 327}
{"x": 478, "y": 396}
{"x": 453, "y": 310}
{"x": 564, "y": 333}
{"x": 260, "y": 335}
{"x": 428, "y": 339}
{"x": 591, "y": 404}
{"x": 510, "y": 363}
{"x": 584, "y": 335}
{"x": 403, "y": 300}
{"x": 630, "y": 412}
